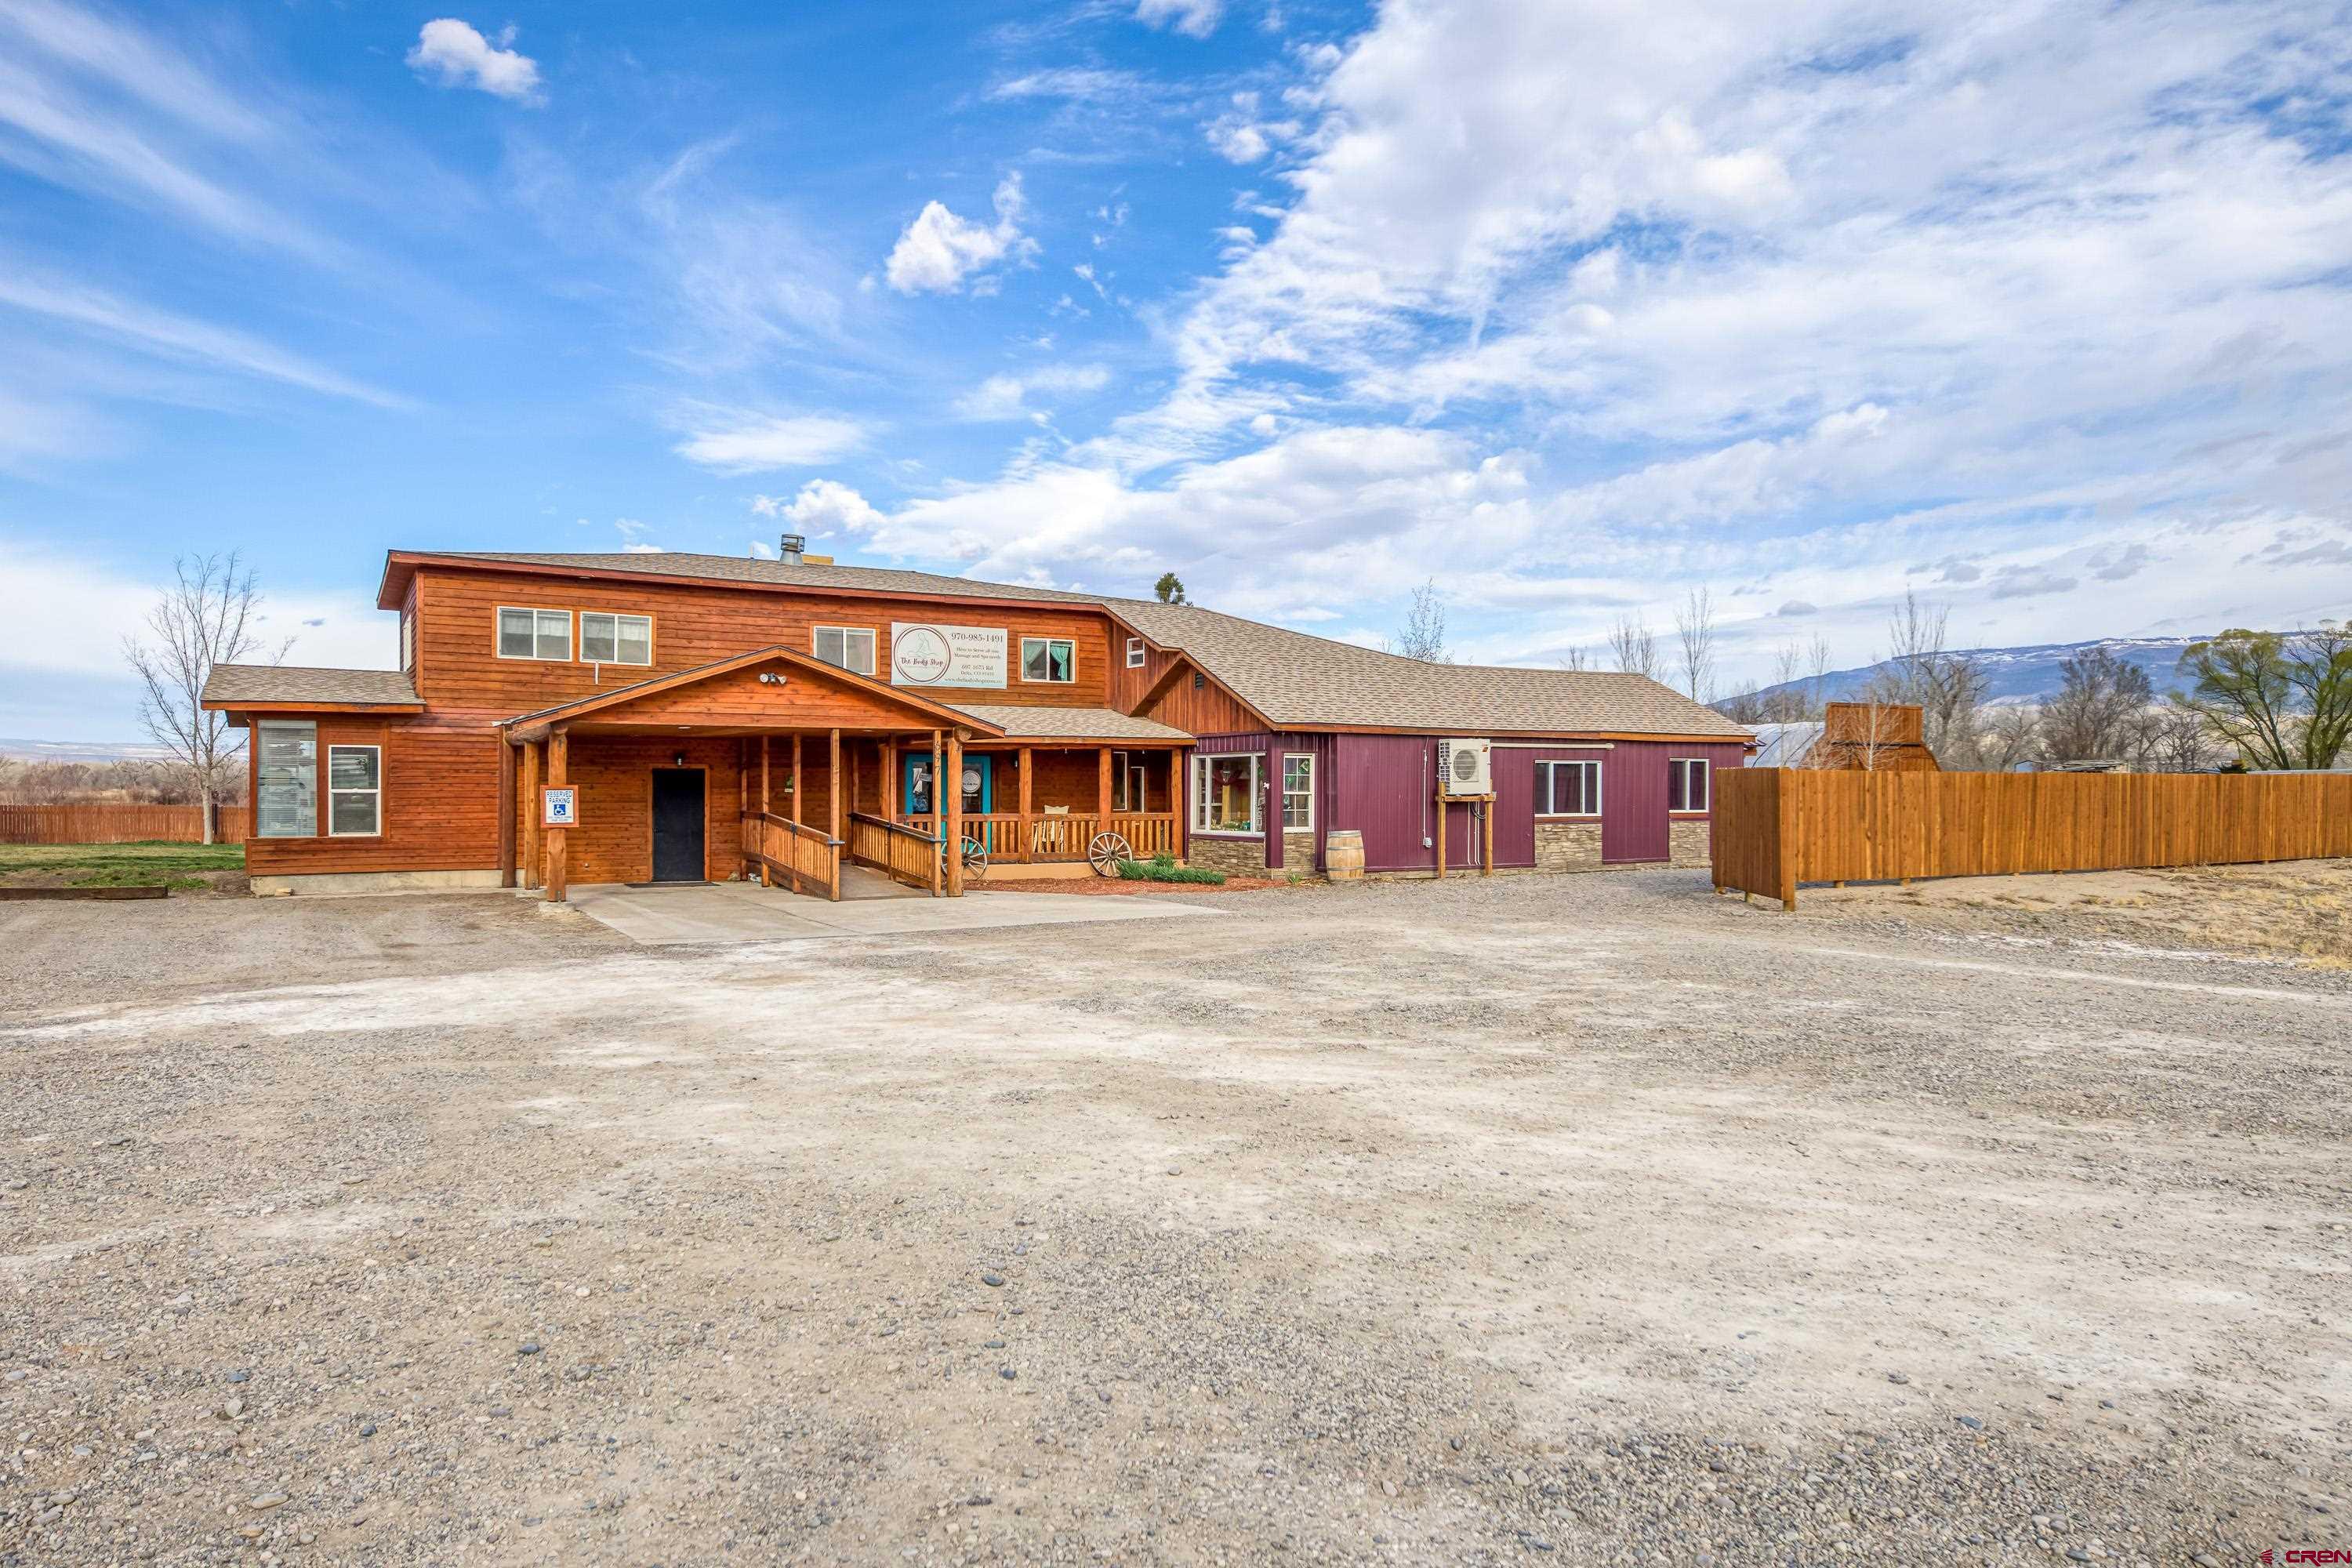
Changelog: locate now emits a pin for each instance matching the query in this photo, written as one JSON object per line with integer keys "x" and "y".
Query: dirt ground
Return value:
{"x": 1582, "y": 1219}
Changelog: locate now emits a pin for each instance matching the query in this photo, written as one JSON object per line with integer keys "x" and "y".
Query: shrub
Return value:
{"x": 1164, "y": 869}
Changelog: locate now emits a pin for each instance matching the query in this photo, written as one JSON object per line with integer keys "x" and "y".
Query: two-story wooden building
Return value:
{"x": 709, "y": 717}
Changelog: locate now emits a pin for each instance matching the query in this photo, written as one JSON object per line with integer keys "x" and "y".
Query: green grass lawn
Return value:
{"x": 121, "y": 865}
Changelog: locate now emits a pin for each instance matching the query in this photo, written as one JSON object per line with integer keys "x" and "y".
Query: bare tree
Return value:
{"x": 2011, "y": 738}
{"x": 211, "y": 614}
{"x": 1423, "y": 635}
{"x": 2179, "y": 741}
{"x": 1635, "y": 647}
{"x": 1948, "y": 688}
{"x": 1695, "y": 630}
{"x": 1576, "y": 658}
{"x": 1746, "y": 706}
{"x": 2096, "y": 715}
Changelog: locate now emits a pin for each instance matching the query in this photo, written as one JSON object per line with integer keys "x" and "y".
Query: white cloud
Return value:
{"x": 1193, "y": 18}
{"x": 939, "y": 251}
{"x": 458, "y": 55}
{"x": 1241, "y": 135}
{"x": 1006, "y": 396}
{"x": 824, "y": 507}
{"x": 745, "y": 441}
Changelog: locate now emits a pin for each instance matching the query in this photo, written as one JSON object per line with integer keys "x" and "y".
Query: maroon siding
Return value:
{"x": 1382, "y": 787}
{"x": 1634, "y": 803}
{"x": 1270, "y": 747}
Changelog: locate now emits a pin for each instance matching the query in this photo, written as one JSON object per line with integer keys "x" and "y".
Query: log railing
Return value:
{"x": 808, "y": 857}
{"x": 1009, "y": 837}
{"x": 907, "y": 854}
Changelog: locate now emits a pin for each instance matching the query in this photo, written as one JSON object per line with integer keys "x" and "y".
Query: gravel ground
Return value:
{"x": 1573, "y": 1219}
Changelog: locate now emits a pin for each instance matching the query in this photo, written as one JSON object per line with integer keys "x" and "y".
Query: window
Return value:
{"x": 1686, "y": 784}
{"x": 1051, "y": 659}
{"x": 1224, "y": 794}
{"x": 1298, "y": 792}
{"x": 1567, "y": 789}
{"x": 846, "y": 647}
{"x": 407, "y": 639}
{"x": 534, "y": 634}
{"x": 615, "y": 639}
{"x": 287, "y": 777}
{"x": 1126, "y": 791}
{"x": 1134, "y": 653}
{"x": 354, "y": 792}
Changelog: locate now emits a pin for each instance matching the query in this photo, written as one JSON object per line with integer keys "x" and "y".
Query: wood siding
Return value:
{"x": 1203, "y": 709}
{"x": 440, "y": 801}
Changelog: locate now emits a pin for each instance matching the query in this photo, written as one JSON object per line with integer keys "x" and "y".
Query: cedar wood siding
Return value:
{"x": 440, "y": 802}
{"x": 1129, "y": 687}
{"x": 1197, "y": 705}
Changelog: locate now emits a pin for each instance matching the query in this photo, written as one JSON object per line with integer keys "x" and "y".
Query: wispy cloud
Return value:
{"x": 747, "y": 441}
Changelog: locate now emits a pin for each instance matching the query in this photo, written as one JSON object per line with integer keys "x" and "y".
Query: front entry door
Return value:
{"x": 677, "y": 825}
{"x": 979, "y": 784}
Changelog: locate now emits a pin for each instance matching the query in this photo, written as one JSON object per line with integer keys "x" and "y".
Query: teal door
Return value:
{"x": 979, "y": 784}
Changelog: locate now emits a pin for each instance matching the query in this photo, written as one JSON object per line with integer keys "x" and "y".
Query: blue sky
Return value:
{"x": 2040, "y": 312}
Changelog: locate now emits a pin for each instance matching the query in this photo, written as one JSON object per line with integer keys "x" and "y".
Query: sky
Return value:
{"x": 2040, "y": 312}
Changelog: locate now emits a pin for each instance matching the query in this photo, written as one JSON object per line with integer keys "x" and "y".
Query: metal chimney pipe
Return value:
{"x": 790, "y": 547}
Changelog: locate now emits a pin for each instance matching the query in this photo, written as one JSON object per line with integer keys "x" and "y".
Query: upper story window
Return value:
{"x": 1134, "y": 653}
{"x": 846, "y": 647}
{"x": 1052, "y": 659}
{"x": 1567, "y": 789}
{"x": 286, "y": 778}
{"x": 534, "y": 634}
{"x": 1686, "y": 784}
{"x": 407, "y": 640}
{"x": 615, "y": 639}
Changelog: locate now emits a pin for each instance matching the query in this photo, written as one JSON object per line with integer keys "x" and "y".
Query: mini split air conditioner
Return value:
{"x": 1464, "y": 767}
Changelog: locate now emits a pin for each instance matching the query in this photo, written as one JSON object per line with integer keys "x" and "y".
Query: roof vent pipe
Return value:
{"x": 792, "y": 545}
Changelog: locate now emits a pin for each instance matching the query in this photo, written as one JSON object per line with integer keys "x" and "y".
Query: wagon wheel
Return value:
{"x": 975, "y": 860}
{"x": 1106, "y": 852}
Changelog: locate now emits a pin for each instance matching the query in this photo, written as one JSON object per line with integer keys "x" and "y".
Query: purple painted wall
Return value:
{"x": 1270, "y": 747}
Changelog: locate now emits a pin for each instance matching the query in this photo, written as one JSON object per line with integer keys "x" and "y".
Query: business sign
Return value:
{"x": 561, "y": 805}
{"x": 926, "y": 653}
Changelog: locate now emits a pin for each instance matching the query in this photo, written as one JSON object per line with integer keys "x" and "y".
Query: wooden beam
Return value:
{"x": 889, "y": 778}
{"x": 1026, "y": 805}
{"x": 1486, "y": 816}
{"x": 950, "y": 792}
{"x": 1440, "y": 836}
{"x": 1102, "y": 789}
{"x": 506, "y": 813}
{"x": 559, "y": 773}
{"x": 534, "y": 762}
{"x": 939, "y": 823}
{"x": 767, "y": 878}
{"x": 833, "y": 782}
{"x": 795, "y": 813}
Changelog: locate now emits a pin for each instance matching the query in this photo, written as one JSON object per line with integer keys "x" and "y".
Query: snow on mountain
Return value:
{"x": 2031, "y": 674}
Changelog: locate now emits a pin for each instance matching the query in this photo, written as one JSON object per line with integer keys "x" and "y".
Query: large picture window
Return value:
{"x": 1299, "y": 792}
{"x": 615, "y": 639}
{"x": 286, "y": 766}
{"x": 1224, "y": 794}
{"x": 1051, "y": 659}
{"x": 1686, "y": 784}
{"x": 1567, "y": 789}
{"x": 354, "y": 792}
{"x": 534, "y": 634}
{"x": 846, "y": 647}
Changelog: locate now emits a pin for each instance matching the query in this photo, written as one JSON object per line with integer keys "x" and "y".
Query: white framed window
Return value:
{"x": 1686, "y": 784}
{"x": 286, "y": 779}
{"x": 354, "y": 792}
{"x": 615, "y": 639}
{"x": 1224, "y": 794}
{"x": 1134, "y": 653}
{"x": 846, "y": 647}
{"x": 1567, "y": 789}
{"x": 1051, "y": 659}
{"x": 534, "y": 634}
{"x": 1298, "y": 791}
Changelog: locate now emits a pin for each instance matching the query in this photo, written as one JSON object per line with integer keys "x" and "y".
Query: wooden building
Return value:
{"x": 642, "y": 718}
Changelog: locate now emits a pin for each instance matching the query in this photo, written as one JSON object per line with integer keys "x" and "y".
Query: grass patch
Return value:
{"x": 1164, "y": 869}
{"x": 175, "y": 866}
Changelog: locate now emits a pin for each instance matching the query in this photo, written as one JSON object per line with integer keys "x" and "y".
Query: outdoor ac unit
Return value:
{"x": 1464, "y": 767}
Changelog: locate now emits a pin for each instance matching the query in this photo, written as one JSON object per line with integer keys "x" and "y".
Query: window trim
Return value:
{"x": 1308, "y": 758}
{"x": 1706, "y": 766}
{"x": 1198, "y": 799}
{"x": 376, "y": 795}
{"x": 1049, "y": 640}
{"x": 1135, "y": 656}
{"x": 873, "y": 649}
{"x": 1545, "y": 794}
{"x": 498, "y": 641}
{"x": 261, "y": 725}
{"x": 617, "y": 617}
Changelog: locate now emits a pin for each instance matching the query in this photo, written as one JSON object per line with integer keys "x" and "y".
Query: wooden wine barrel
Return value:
{"x": 1343, "y": 855}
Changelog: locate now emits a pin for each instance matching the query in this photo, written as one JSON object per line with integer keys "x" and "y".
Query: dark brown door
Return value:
{"x": 677, "y": 825}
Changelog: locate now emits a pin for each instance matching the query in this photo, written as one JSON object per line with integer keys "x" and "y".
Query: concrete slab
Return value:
{"x": 744, "y": 912}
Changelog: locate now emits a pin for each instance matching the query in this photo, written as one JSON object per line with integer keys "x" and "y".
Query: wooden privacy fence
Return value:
{"x": 1775, "y": 828}
{"x": 117, "y": 822}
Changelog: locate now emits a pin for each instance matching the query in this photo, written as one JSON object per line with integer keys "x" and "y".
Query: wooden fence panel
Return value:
{"x": 1775, "y": 828}
{"x": 117, "y": 822}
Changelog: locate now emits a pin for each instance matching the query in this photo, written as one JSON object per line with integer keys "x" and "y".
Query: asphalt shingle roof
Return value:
{"x": 779, "y": 574}
{"x": 230, "y": 684}
{"x": 1025, "y": 721}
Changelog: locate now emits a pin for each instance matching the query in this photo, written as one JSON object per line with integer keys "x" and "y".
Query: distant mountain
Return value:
{"x": 2031, "y": 674}
{"x": 81, "y": 751}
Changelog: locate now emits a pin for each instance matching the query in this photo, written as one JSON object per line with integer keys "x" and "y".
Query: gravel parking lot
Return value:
{"x": 1569, "y": 1219}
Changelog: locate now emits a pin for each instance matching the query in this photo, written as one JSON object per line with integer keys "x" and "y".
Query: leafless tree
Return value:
{"x": 2009, "y": 738}
{"x": 1635, "y": 647}
{"x": 1576, "y": 658}
{"x": 1746, "y": 706}
{"x": 1423, "y": 635}
{"x": 211, "y": 614}
{"x": 2179, "y": 741}
{"x": 1694, "y": 631}
{"x": 1948, "y": 688}
{"x": 2097, "y": 711}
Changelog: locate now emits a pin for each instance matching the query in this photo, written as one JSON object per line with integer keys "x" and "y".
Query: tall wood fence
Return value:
{"x": 1775, "y": 828}
{"x": 116, "y": 822}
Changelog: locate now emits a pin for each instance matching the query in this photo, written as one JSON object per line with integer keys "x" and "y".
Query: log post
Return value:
{"x": 1102, "y": 789}
{"x": 506, "y": 812}
{"x": 889, "y": 779}
{"x": 1486, "y": 816}
{"x": 1440, "y": 836}
{"x": 767, "y": 878}
{"x": 534, "y": 759}
{"x": 950, "y": 788}
{"x": 832, "y": 783}
{"x": 1028, "y": 836}
{"x": 938, "y": 824}
{"x": 559, "y": 773}
{"x": 792, "y": 786}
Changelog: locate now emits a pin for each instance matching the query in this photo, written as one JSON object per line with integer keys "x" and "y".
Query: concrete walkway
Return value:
{"x": 744, "y": 912}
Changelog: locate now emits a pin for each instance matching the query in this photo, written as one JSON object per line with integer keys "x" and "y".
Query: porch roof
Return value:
{"x": 893, "y": 708}
{"x": 1023, "y": 722}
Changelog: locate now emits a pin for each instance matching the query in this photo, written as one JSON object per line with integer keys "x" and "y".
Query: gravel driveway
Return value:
{"x": 1540, "y": 1219}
